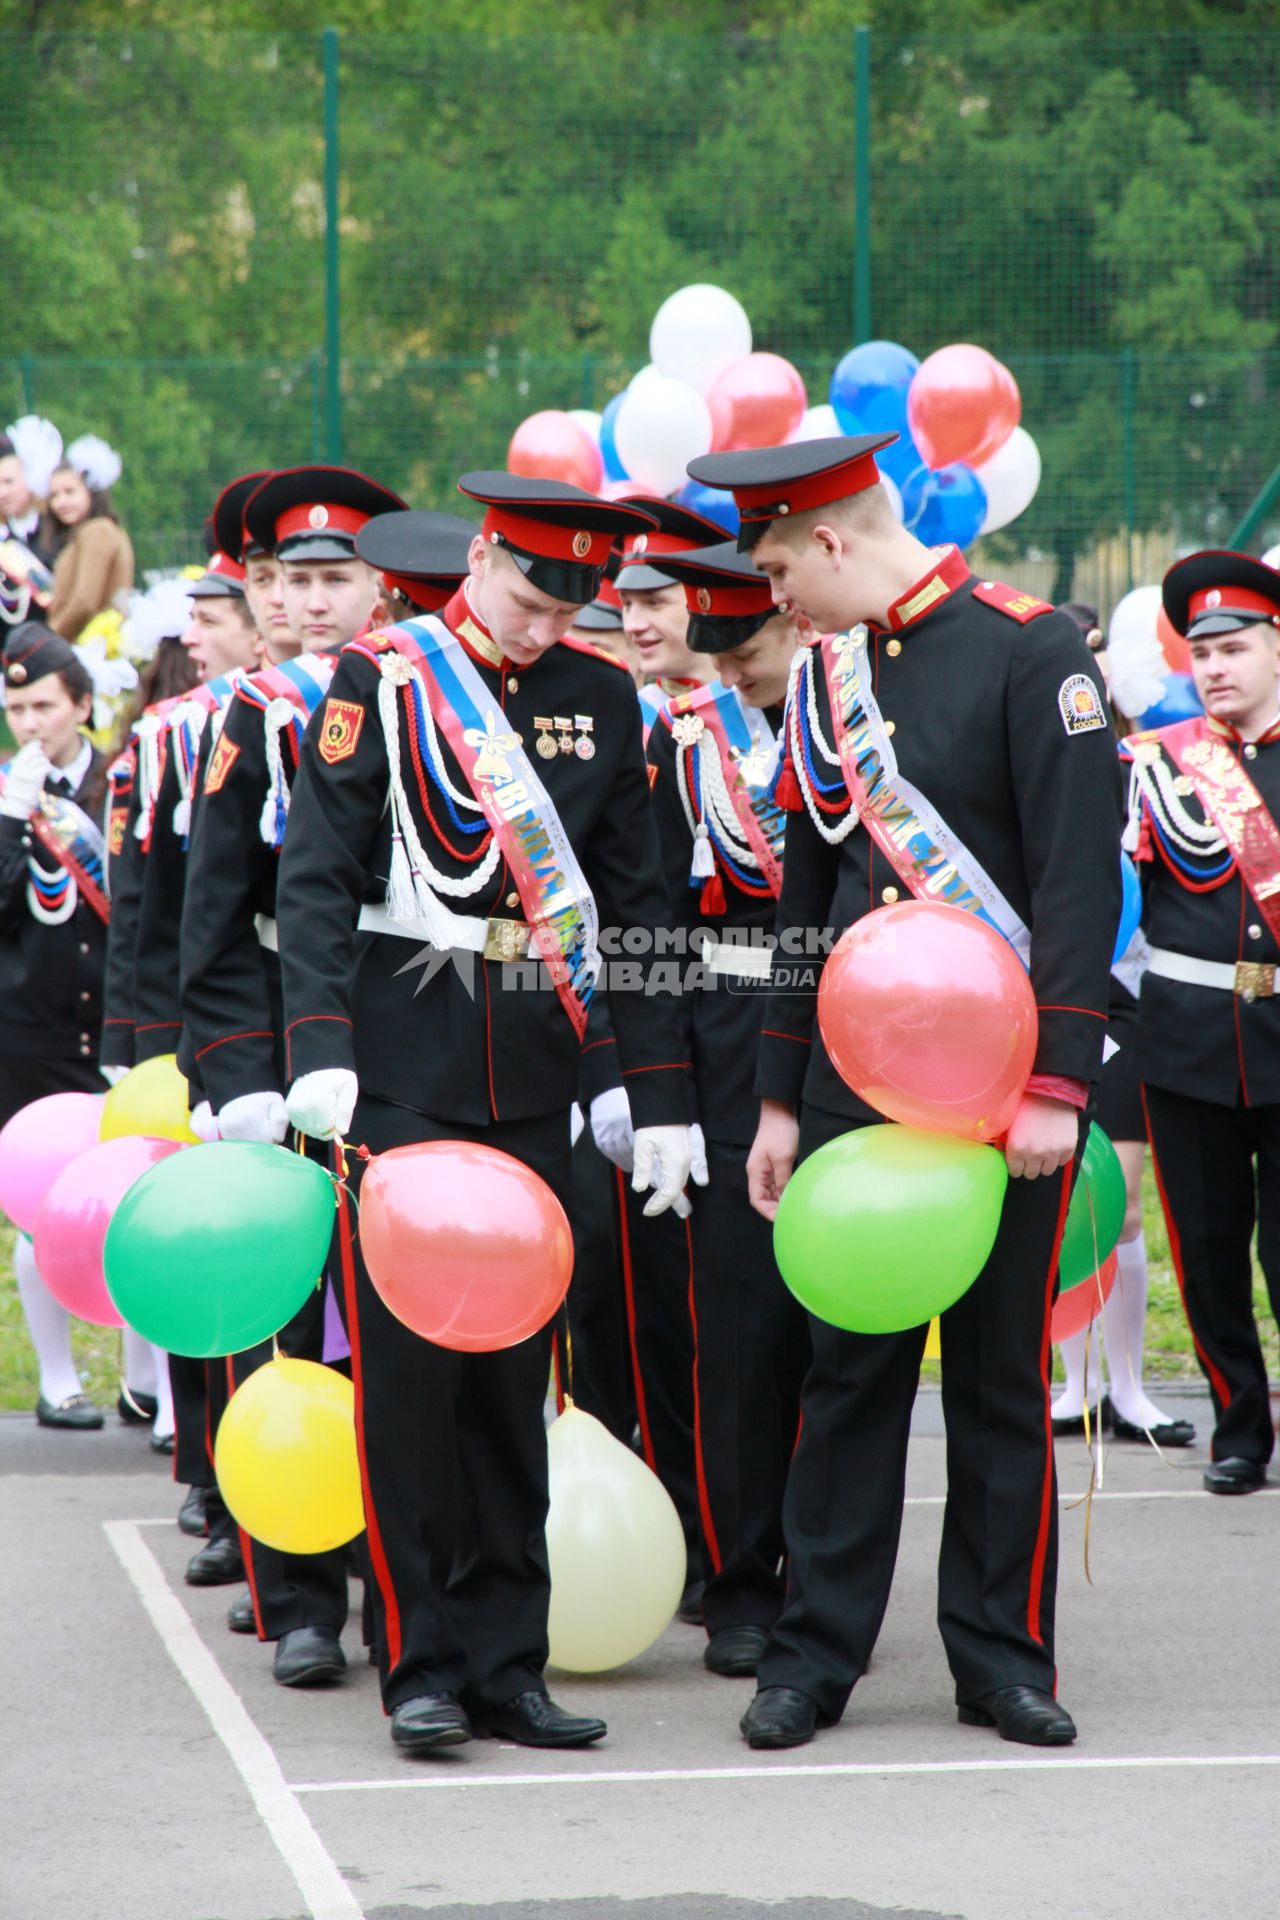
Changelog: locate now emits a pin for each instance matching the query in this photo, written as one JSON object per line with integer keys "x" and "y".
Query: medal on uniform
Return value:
{"x": 584, "y": 746}
{"x": 545, "y": 744}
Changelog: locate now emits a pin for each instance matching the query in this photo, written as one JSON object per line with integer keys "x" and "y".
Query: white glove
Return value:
{"x": 24, "y": 782}
{"x": 201, "y": 1123}
{"x": 254, "y": 1116}
{"x": 576, "y": 1124}
{"x": 698, "y": 1171}
{"x": 662, "y": 1156}
{"x": 611, "y": 1127}
{"x": 321, "y": 1104}
{"x": 114, "y": 1075}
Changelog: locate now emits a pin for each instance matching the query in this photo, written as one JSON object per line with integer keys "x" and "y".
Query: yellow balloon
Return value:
{"x": 615, "y": 1545}
{"x": 286, "y": 1460}
{"x": 933, "y": 1340}
{"x": 151, "y": 1099}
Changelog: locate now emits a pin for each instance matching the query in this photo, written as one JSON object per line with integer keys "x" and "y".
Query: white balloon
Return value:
{"x": 1009, "y": 480}
{"x": 1271, "y": 558}
{"x": 615, "y": 1546}
{"x": 895, "y": 497}
{"x": 661, "y": 425}
{"x": 589, "y": 420}
{"x": 1138, "y": 668}
{"x": 1135, "y": 616}
{"x": 819, "y": 423}
{"x": 697, "y": 333}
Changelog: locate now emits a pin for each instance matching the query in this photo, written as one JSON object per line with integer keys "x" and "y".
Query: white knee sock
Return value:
{"x": 1070, "y": 1401}
{"x": 49, "y": 1326}
{"x": 1123, "y": 1323}
{"x": 139, "y": 1364}
{"x": 163, "y": 1424}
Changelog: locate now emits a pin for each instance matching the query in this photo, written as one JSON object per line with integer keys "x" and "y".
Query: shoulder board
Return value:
{"x": 1018, "y": 605}
{"x": 597, "y": 653}
{"x": 691, "y": 701}
{"x": 367, "y": 643}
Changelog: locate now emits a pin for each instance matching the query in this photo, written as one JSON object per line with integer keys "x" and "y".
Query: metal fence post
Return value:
{"x": 1130, "y": 485}
{"x": 332, "y": 293}
{"x": 861, "y": 184}
{"x": 28, "y": 383}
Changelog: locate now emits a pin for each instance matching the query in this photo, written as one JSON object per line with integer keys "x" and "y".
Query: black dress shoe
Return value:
{"x": 191, "y": 1516}
{"x": 1169, "y": 1433}
{"x": 428, "y": 1721}
{"x": 532, "y": 1720}
{"x": 137, "y": 1409}
{"x": 690, "y": 1608}
{"x": 1070, "y": 1424}
{"x": 216, "y": 1565}
{"x": 308, "y": 1657}
{"x": 77, "y": 1410}
{"x": 240, "y": 1615}
{"x": 1234, "y": 1475}
{"x": 1025, "y": 1714}
{"x": 734, "y": 1651}
{"x": 779, "y": 1717}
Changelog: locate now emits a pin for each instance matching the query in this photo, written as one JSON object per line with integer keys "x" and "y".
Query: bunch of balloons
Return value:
{"x": 1150, "y": 662}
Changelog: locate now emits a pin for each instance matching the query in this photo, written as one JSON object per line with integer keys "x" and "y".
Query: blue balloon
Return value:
{"x": 712, "y": 502}
{"x": 1179, "y": 701}
{"x": 914, "y": 489}
{"x": 613, "y": 467}
{"x": 1130, "y": 906}
{"x": 886, "y": 412}
{"x": 955, "y": 507}
{"x": 864, "y": 372}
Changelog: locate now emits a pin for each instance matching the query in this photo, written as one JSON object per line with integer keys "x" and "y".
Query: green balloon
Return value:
{"x": 1086, "y": 1241}
{"x": 888, "y": 1225}
{"x": 215, "y": 1248}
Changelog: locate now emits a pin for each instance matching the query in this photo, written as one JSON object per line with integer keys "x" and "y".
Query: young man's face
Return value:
{"x": 16, "y": 497}
{"x": 656, "y": 623}
{"x": 46, "y": 712}
{"x": 328, "y": 602}
{"x": 219, "y": 638}
{"x": 524, "y": 621}
{"x": 760, "y": 666}
{"x": 264, "y": 591}
{"x": 807, "y": 578}
{"x": 1237, "y": 675}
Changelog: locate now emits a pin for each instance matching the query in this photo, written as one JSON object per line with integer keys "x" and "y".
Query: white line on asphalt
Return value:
{"x": 322, "y": 1887}
{"x": 1140, "y": 1493}
{"x": 869, "y": 1769}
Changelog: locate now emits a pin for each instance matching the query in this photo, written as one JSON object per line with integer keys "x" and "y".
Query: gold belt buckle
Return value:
{"x": 506, "y": 940}
{"x": 1255, "y": 980}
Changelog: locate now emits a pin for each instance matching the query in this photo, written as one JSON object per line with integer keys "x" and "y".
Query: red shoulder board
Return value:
{"x": 367, "y": 643}
{"x": 1018, "y": 605}
{"x": 598, "y": 653}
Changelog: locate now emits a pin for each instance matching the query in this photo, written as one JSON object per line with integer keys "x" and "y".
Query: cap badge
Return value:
{"x": 16, "y": 674}
{"x": 704, "y": 600}
{"x": 640, "y": 544}
{"x": 1214, "y": 597}
{"x": 318, "y": 516}
{"x": 581, "y": 545}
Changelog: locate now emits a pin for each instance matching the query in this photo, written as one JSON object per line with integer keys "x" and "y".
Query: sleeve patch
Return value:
{"x": 653, "y": 776}
{"x": 1019, "y": 606}
{"x": 1079, "y": 705}
{"x": 340, "y": 730}
{"x": 225, "y": 755}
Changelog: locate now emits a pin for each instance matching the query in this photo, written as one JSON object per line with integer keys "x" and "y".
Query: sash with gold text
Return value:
{"x": 1235, "y": 806}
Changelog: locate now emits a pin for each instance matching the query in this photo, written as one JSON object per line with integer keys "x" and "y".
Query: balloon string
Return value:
{"x": 1093, "y": 1430}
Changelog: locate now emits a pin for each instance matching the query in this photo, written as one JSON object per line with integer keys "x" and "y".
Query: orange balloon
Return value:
{"x": 759, "y": 401}
{"x": 962, "y": 404}
{"x": 466, "y": 1245}
{"x": 551, "y": 446}
{"x": 928, "y": 1014}
{"x": 1173, "y": 643}
{"x": 1074, "y": 1309}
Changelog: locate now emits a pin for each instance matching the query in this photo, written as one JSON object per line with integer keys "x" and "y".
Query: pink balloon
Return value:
{"x": 928, "y": 1014}
{"x": 466, "y": 1245}
{"x": 551, "y": 446}
{"x": 962, "y": 404}
{"x": 74, "y": 1215}
{"x": 759, "y": 401}
{"x": 37, "y": 1143}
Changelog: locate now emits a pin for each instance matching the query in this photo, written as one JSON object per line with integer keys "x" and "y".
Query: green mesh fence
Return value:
{"x": 1099, "y": 212}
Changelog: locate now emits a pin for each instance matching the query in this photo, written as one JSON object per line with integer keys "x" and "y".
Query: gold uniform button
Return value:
{"x": 893, "y": 648}
{"x": 889, "y": 895}
{"x": 890, "y": 726}
{"x": 1251, "y": 752}
{"x": 513, "y": 899}
{"x": 513, "y": 685}
{"x": 1255, "y": 932}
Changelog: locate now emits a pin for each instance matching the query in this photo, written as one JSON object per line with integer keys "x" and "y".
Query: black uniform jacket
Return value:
{"x": 457, "y": 1036}
{"x": 978, "y": 688}
{"x": 1205, "y": 1042}
{"x": 124, "y": 881}
{"x": 50, "y": 977}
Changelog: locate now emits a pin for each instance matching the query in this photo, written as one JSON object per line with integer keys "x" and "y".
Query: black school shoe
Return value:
{"x": 77, "y": 1412}
{"x": 1028, "y": 1715}
{"x": 136, "y": 1409}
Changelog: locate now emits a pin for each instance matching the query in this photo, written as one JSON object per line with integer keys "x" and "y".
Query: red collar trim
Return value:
{"x": 1228, "y": 732}
{"x": 949, "y": 571}
{"x": 466, "y": 625}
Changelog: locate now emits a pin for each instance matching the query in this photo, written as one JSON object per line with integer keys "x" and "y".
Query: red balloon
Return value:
{"x": 551, "y": 446}
{"x": 759, "y": 401}
{"x": 71, "y": 1226}
{"x": 466, "y": 1245}
{"x": 1174, "y": 644}
{"x": 928, "y": 1014}
{"x": 962, "y": 404}
{"x": 1074, "y": 1309}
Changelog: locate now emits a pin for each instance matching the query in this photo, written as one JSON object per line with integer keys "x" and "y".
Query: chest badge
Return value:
{"x": 687, "y": 730}
{"x": 339, "y": 731}
{"x": 225, "y": 755}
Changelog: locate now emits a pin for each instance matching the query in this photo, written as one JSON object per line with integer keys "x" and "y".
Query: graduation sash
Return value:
{"x": 75, "y": 842}
{"x": 1232, "y": 802}
{"x": 557, "y": 901}
{"x": 288, "y": 694}
{"x": 737, "y": 753}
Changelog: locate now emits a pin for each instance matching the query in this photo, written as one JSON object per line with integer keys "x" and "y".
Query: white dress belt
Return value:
{"x": 496, "y": 939}
{"x": 1251, "y": 979}
{"x": 739, "y": 961}
{"x": 267, "y": 931}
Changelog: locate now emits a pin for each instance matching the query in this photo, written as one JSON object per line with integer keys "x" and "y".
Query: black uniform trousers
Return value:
{"x": 1218, "y": 1169}
{"x": 751, "y": 1350}
{"x": 842, "y": 1515}
{"x": 597, "y": 1368}
{"x": 453, "y": 1460}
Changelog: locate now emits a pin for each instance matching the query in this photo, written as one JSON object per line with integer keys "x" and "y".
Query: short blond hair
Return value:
{"x": 867, "y": 513}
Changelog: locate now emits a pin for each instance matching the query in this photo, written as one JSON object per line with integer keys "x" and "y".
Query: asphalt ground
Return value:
{"x": 152, "y": 1769}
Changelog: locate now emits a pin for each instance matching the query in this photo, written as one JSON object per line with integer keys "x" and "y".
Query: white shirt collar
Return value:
{"x": 75, "y": 773}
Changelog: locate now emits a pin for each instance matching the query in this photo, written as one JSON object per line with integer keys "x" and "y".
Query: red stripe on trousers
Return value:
{"x": 246, "y": 1544}
{"x": 1036, "y": 1589}
{"x": 1220, "y": 1386}
{"x": 628, "y": 1287}
{"x": 704, "y": 1494}
{"x": 377, "y": 1554}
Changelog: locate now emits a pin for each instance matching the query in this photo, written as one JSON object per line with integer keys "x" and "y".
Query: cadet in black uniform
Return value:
{"x": 53, "y": 936}
{"x": 1205, "y": 797}
{"x": 390, "y": 836}
{"x": 988, "y": 702}
{"x": 712, "y": 753}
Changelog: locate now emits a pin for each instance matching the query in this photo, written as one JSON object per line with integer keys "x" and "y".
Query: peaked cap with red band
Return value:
{"x": 1211, "y": 593}
{"x": 420, "y": 555}
{"x": 728, "y": 600}
{"x": 222, "y": 579}
{"x": 768, "y": 483}
{"x": 314, "y": 513}
{"x": 558, "y": 536}
{"x": 678, "y": 531}
{"x": 227, "y": 519}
